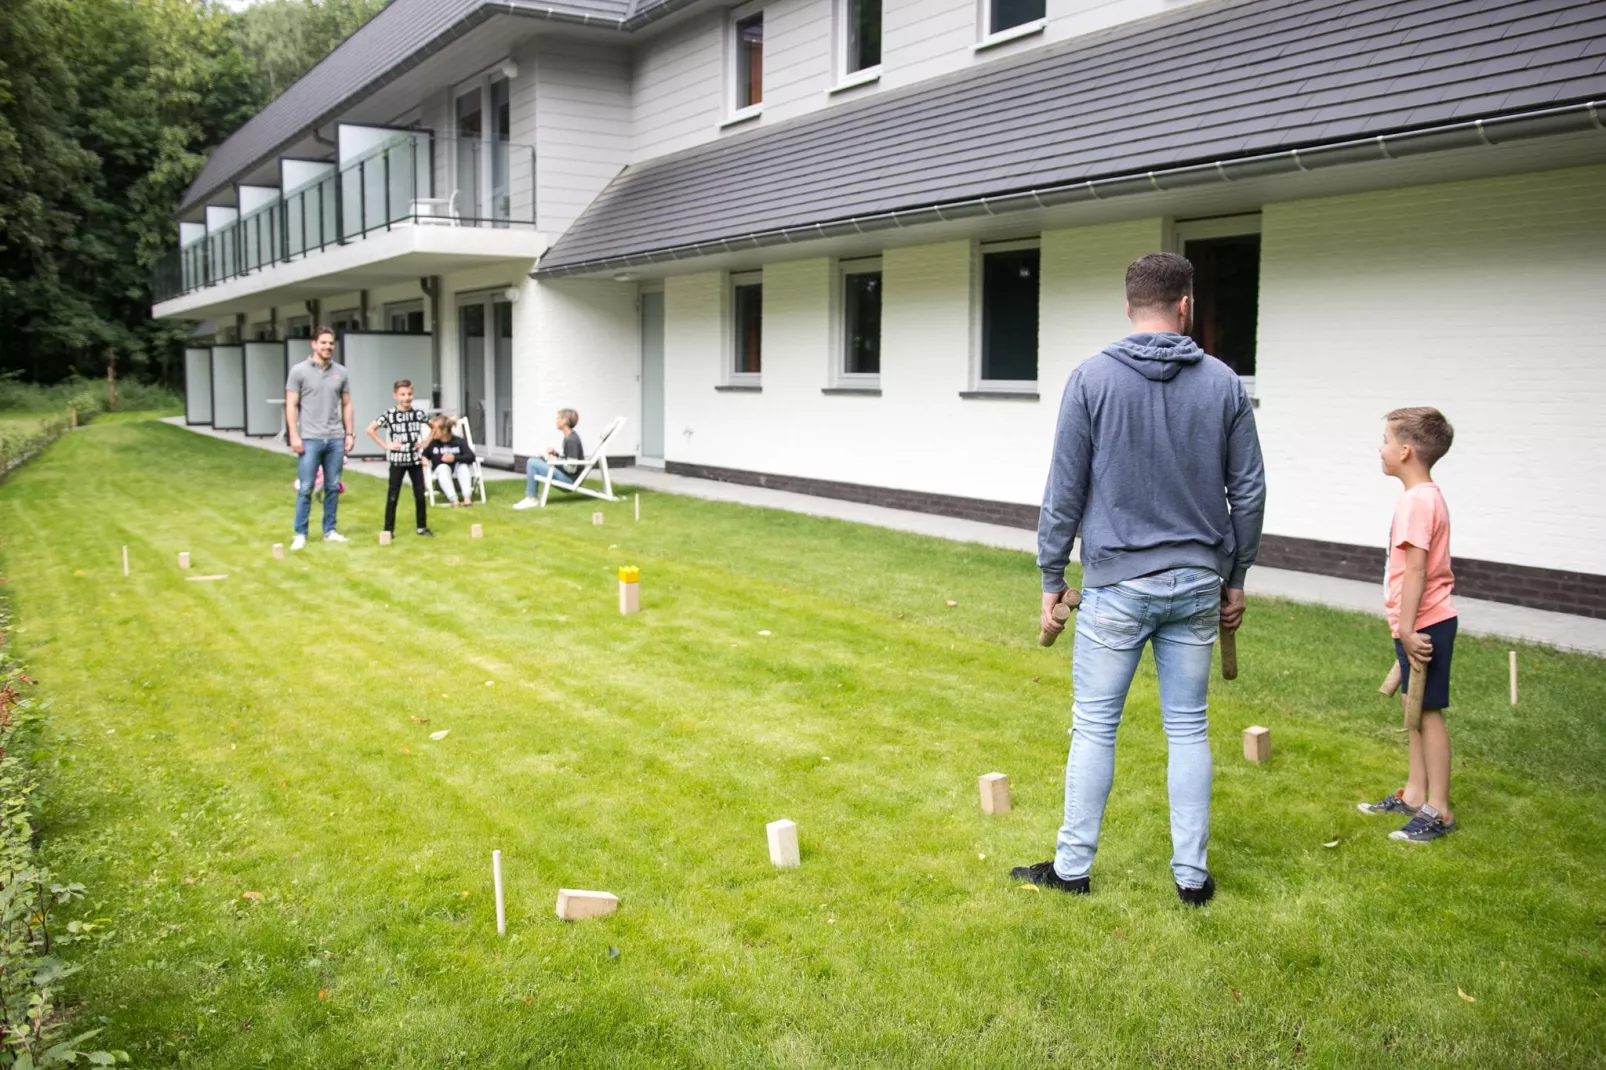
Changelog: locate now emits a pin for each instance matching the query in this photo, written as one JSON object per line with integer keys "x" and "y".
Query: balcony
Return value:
{"x": 375, "y": 219}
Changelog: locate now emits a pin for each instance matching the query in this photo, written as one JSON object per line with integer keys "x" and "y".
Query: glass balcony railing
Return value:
{"x": 414, "y": 179}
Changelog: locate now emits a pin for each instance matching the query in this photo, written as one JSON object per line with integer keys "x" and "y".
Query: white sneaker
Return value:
{"x": 298, "y": 542}
{"x": 334, "y": 536}
{"x": 526, "y": 503}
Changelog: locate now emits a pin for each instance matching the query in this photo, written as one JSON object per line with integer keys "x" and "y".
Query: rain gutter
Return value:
{"x": 1547, "y": 122}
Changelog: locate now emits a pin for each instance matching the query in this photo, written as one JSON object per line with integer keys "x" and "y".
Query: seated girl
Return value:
{"x": 447, "y": 455}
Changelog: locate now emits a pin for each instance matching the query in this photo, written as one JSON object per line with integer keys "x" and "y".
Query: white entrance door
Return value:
{"x": 485, "y": 343}
{"x": 652, "y": 376}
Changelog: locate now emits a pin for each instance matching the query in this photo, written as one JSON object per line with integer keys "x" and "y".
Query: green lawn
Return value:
{"x": 262, "y": 734}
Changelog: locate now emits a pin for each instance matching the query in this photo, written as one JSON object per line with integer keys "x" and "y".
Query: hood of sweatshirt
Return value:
{"x": 1156, "y": 356}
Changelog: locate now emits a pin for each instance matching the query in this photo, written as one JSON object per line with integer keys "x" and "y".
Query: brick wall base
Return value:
{"x": 1579, "y": 593}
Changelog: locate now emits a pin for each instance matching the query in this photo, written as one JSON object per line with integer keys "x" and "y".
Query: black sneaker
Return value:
{"x": 1427, "y": 826}
{"x": 426, "y": 532}
{"x": 1392, "y": 804}
{"x": 1198, "y": 897}
{"x": 1043, "y": 875}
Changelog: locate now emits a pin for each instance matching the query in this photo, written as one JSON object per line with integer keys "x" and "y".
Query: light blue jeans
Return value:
{"x": 330, "y": 455}
{"x": 1177, "y": 611}
{"x": 537, "y": 468}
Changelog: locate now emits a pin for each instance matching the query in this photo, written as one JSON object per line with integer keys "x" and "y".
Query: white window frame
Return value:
{"x": 733, "y": 377}
{"x": 737, "y": 113}
{"x": 1184, "y": 231}
{"x": 480, "y": 84}
{"x": 979, "y": 251}
{"x": 986, "y": 38}
{"x": 402, "y": 308}
{"x": 840, "y": 377}
{"x": 848, "y": 79}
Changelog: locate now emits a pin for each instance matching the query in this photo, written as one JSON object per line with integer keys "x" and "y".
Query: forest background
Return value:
{"x": 108, "y": 109}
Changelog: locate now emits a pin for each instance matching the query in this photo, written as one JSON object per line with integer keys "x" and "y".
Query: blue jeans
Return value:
{"x": 1178, "y": 611}
{"x": 537, "y": 468}
{"x": 330, "y": 455}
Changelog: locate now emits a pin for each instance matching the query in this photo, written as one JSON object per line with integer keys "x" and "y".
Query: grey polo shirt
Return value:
{"x": 321, "y": 390}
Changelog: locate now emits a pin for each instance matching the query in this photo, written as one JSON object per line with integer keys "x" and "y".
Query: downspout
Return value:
{"x": 1548, "y": 122}
{"x": 431, "y": 285}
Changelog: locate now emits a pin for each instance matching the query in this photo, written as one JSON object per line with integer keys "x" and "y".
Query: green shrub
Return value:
{"x": 20, "y": 442}
{"x": 88, "y": 396}
{"x": 31, "y": 944}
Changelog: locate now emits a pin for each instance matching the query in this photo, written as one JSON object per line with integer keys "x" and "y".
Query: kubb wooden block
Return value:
{"x": 384, "y": 538}
{"x": 476, "y": 531}
{"x": 994, "y": 793}
{"x": 596, "y": 518}
{"x": 278, "y": 551}
{"x": 1257, "y": 743}
{"x": 574, "y": 905}
{"x": 783, "y": 844}
{"x": 629, "y": 589}
{"x": 183, "y": 560}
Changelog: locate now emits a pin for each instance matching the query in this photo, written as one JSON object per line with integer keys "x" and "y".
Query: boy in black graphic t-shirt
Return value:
{"x": 405, "y": 426}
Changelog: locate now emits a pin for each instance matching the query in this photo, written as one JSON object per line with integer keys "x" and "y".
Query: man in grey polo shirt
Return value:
{"x": 317, "y": 411}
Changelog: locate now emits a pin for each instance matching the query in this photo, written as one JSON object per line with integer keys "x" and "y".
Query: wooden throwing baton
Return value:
{"x": 1069, "y": 600}
{"x": 1391, "y": 682}
{"x": 1413, "y": 698}
{"x": 1229, "y": 654}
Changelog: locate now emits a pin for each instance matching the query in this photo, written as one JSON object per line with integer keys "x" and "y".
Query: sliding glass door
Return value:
{"x": 485, "y": 347}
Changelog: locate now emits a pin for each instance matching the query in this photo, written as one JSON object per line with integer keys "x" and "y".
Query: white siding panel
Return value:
{"x": 681, "y": 79}
{"x": 1479, "y": 298}
{"x": 677, "y": 84}
{"x": 582, "y": 130}
{"x": 797, "y": 57}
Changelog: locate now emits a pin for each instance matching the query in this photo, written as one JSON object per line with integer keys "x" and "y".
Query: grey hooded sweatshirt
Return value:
{"x": 1157, "y": 463}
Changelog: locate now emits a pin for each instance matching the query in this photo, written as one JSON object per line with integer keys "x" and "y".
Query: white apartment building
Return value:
{"x": 854, "y": 247}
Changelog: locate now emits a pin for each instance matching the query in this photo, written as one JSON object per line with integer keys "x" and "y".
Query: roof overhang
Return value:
{"x": 1575, "y": 134}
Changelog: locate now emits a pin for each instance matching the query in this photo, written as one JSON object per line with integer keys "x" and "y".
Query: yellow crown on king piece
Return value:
{"x": 629, "y": 574}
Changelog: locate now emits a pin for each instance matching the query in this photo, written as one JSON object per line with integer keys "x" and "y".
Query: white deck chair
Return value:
{"x": 597, "y": 462}
{"x": 462, "y": 429}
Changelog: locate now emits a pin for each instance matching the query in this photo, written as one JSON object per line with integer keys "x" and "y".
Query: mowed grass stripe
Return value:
{"x": 644, "y": 755}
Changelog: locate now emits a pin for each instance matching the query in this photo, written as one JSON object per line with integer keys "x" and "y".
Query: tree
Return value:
{"x": 107, "y": 111}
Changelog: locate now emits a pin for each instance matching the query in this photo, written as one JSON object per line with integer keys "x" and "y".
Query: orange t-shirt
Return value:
{"x": 1421, "y": 519}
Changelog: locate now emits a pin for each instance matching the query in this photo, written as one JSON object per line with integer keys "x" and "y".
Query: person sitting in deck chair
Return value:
{"x": 541, "y": 468}
{"x": 447, "y": 455}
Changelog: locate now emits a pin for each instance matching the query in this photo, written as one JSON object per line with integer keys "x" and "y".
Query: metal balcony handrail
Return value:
{"x": 413, "y": 179}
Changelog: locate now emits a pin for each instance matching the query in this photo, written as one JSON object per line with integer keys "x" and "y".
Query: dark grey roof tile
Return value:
{"x": 1241, "y": 80}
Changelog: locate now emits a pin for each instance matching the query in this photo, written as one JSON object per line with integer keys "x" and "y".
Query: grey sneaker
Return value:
{"x": 1391, "y": 804}
{"x": 334, "y": 536}
{"x": 1427, "y": 826}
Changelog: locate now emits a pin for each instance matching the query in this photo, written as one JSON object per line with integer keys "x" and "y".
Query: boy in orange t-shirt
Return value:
{"x": 1421, "y": 614}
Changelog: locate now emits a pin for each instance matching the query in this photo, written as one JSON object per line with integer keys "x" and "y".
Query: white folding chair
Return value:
{"x": 597, "y": 462}
{"x": 435, "y": 211}
{"x": 462, "y": 429}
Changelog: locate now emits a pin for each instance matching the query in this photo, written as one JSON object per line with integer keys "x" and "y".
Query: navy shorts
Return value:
{"x": 1436, "y": 687}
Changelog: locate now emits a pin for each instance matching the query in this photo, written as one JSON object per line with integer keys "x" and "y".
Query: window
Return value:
{"x": 1007, "y": 14}
{"x": 1009, "y": 288}
{"x": 747, "y": 327}
{"x": 262, "y": 332}
{"x": 861, "y": 35}
{"x": 405, "y": 316}
{"x": 1226, "y": 291}
{"x": 298, "y": 327}
{"x": 861, "y": 322}
{"x": 344, "y": 320}
{"x": 748, "y": 61}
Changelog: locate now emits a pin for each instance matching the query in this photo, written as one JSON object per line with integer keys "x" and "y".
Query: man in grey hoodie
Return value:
{"x": 1157, "y": 464}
